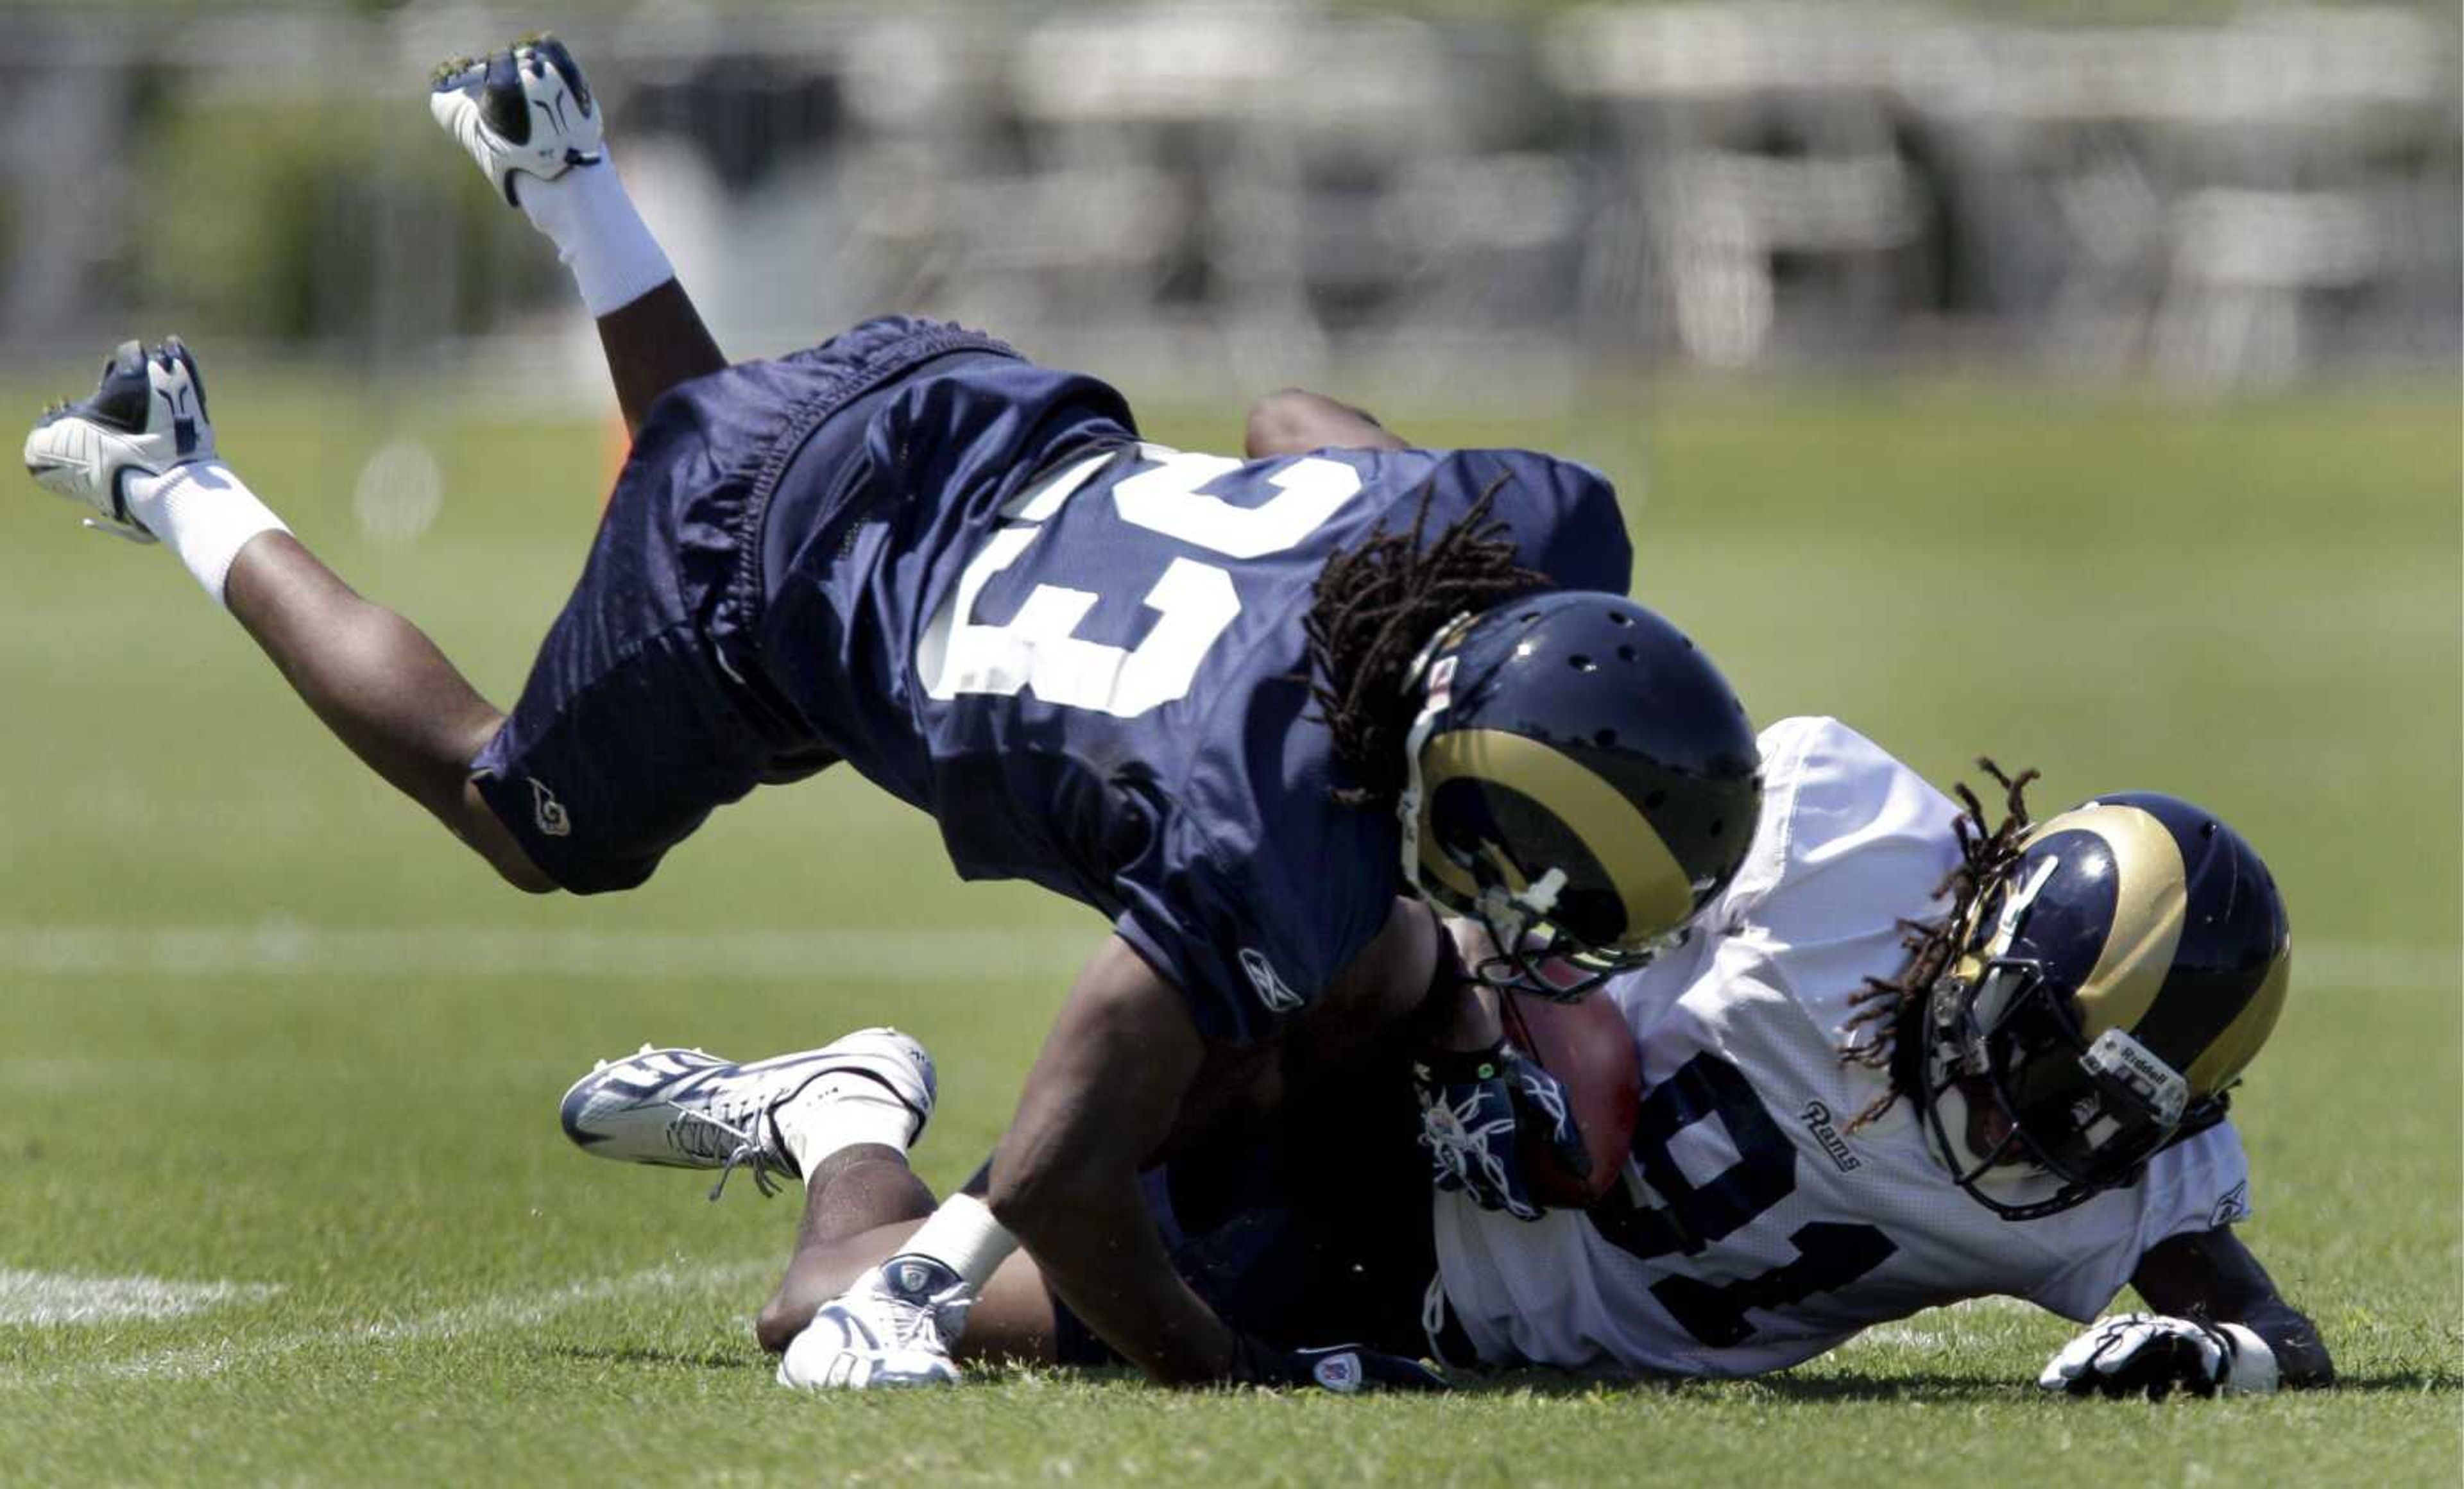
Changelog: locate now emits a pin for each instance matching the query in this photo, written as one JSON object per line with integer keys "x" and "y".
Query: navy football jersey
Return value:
{"x": 965, "y": 576}
{"x": 1082, "y": 654}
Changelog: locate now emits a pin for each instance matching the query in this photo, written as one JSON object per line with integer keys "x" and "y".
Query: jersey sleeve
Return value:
{"x": 2198, "y": 1184}
{"x": 1563, "y": 514}
{"x": 1850, "y": 841}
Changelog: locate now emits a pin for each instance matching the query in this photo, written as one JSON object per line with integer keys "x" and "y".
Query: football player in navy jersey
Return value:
{"x": 1255, "y": 711}
{"x": 1916, "y": 1058}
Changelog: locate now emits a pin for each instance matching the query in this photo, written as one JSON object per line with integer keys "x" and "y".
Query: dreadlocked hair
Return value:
{"x": 1874, "y": 1034}
{"x": 1372, "y": 610}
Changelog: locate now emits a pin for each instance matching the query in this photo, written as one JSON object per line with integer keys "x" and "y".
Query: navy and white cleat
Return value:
{"x": 146, "y": 416}
{"x": 893, "y": 1330}
{"x": 687, "y": 1109}
{"x": 524, "y": 111}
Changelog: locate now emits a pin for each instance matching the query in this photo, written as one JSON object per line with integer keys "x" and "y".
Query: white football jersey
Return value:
{"x": 1763, "y": 1232}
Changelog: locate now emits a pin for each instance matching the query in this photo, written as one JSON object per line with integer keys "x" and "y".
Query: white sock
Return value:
{"x": 205, "y": 513}
{"x": 598, "y": 234}
{"x": 840, "y": 1111}
{"x": 964, "y": 1236}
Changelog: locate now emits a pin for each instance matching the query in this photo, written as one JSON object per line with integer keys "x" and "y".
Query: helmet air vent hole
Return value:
{"x": 1527, "y": 617}
{"x": 1619, "y": 618}
{"x": 1606, "y": 738}
{"x": 1582, "y": 663}
{"x": 1651, "y": 802}
{"x": 1717, "y": 825}
{"x": 2207, "y": 829}
{"x": 1628, "y": 654}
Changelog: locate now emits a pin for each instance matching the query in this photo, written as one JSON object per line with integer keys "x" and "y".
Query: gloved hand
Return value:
{"x": 1346, "y": 1369}
{"x": 1475, "y": 1105}
{"x": 2149, "y": 1354}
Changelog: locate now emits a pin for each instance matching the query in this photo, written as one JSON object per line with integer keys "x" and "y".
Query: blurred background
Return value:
{"x": 1480, "y": 204}
{"x": 2075, "y": 382}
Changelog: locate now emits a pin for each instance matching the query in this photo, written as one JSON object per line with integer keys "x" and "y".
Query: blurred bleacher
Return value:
{"x": 1227, "y": 193}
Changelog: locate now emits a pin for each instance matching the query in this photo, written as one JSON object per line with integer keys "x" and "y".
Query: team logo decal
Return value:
{"x": 1338, "y": 1372}
{"x": 1273, "y": 991}
{"x": 1817, "y": 1121}
{"x": 547, "y": 811}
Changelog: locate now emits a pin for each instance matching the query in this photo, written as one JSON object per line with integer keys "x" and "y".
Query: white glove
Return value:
{"x": 2149, "y": 1354}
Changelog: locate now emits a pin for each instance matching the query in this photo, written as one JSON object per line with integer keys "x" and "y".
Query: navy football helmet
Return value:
{"x": 2111, "y": 983}
{"x": 1581, "y": 781}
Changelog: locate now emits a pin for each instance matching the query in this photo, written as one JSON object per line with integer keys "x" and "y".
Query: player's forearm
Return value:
{"x": 2301, "y": 1358}
{"x": 2212, "y": 1275}
{"x": 378, "y": 683}
{"x": 1104, "y": 1092}
{"x": 1095, "y": 1244}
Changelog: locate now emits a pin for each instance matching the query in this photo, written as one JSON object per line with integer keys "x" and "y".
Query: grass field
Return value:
{"x": 268, "y": 1041}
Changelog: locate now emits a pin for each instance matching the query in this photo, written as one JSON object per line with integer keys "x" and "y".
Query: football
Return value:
{"x": 1587, "y": 1047}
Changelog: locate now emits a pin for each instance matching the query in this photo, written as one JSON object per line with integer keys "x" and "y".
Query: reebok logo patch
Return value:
{"x": 1273, "y": 991}
{"x": 2231, "y": 1208}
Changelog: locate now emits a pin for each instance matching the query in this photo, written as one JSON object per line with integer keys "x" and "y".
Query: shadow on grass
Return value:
{"x": 636, "y": 1354}
{"x": 1917, "y": 1386}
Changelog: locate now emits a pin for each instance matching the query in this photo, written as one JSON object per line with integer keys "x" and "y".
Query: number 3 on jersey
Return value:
{"x": 1194, "y": 601}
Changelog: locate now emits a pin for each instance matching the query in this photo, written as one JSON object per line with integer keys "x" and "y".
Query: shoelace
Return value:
{"x": 748, "y": 1153}
{"x": 909, "y": 1319}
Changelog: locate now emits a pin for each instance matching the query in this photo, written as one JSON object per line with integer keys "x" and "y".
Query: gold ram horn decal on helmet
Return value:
{"x": 2221, "y": 1062}
{"x": 1652, "y": 883}
{"x": 2150, "y": 894}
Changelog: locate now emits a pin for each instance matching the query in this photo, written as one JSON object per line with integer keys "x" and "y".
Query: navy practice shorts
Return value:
{"x": 641, "y": 712}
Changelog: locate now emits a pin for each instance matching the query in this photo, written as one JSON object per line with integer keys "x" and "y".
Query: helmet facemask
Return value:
{"x": 2031, "y": 1116}
{"x": 1538, "y": 957}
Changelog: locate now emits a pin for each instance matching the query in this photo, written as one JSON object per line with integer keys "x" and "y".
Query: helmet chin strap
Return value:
{"x": 1435, "y": 699}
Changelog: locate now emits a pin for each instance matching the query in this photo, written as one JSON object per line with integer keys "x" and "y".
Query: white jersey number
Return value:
{"x": 1830, "y": 1255}
{"x": 1195, "y": 602}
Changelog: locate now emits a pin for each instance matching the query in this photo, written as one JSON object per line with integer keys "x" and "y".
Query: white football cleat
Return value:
{"x": 526, "y": 111}
{"x": 893, "y": 1330}
{"x": 687, "y": 1109}
{"x": 146, "y": 416}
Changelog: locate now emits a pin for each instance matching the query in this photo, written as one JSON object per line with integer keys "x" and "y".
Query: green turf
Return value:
{"x": 2256, "y": 604}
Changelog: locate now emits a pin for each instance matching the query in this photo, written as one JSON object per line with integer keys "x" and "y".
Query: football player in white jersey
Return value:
{"x": 1911, "y": 1057}
{"x": 1907, "y": 1058}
